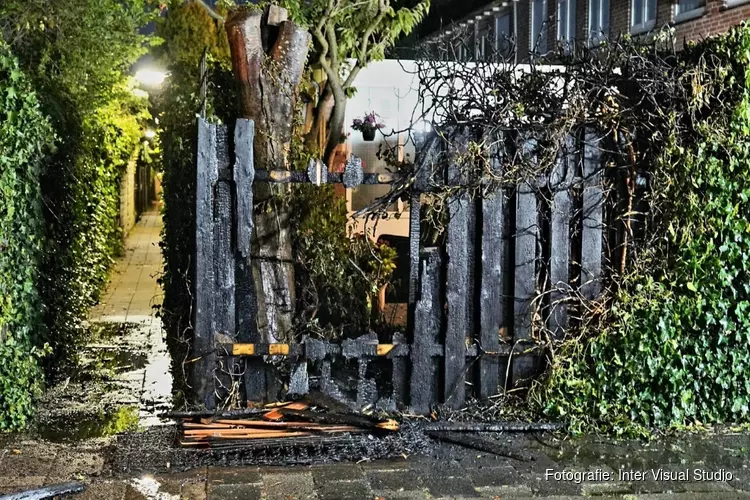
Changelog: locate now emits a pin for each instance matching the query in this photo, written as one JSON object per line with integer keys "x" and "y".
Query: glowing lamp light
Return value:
{"x": 150, "y": 77}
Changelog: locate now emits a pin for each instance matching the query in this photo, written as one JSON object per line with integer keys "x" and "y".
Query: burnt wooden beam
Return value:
{"x": 458, "y": 291}
{"x": 224, "y": 262}
{"x": 559, "y": 241}
{"x": 427, "y": 326}
{"x": 592, "y": 229}
{"x": 526, "y": 238}
{"x": 399, "y": 372}
{"x": 491, "y": 307}
{"x": 363, "y": 350}
{"x": 202, "y": 372}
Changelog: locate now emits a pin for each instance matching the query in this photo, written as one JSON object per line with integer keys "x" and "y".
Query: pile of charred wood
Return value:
{"x": 272, "y": 423}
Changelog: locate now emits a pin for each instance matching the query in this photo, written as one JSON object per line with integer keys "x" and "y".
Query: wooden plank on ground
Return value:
{"x": 207, "y": 174}
{"x": 561, "y": 211}
{"x": 491, "y": 307}
{"x": 526, "y": 237}
{"x": 591, "y": 231}
{"x": 427, "y": 327}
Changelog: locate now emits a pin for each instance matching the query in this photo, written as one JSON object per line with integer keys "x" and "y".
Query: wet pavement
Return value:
{"x": 99, "y": 426}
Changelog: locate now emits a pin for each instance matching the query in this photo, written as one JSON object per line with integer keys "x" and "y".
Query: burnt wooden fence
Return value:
{"x": 514, "y": 267}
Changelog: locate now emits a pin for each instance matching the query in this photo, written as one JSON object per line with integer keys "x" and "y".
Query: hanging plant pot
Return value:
{"x": 368, "y": 135}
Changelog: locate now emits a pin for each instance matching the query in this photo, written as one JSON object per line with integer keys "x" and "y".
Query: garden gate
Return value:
{"x": 510, "y": 272}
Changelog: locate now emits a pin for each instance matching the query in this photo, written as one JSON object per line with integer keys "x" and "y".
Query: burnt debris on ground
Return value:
{"x": 303, "y": 433}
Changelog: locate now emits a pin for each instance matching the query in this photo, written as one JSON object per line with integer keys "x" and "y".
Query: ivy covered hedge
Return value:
{"x": 25, "y": 138}
{"x": 59, "y": 227}
{"x": 673, "y": 350}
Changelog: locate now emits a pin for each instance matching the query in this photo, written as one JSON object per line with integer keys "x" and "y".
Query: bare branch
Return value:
{"x": 211, "y": 12}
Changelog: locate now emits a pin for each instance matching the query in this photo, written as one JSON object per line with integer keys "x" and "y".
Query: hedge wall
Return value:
{"x": 25, "y": 135}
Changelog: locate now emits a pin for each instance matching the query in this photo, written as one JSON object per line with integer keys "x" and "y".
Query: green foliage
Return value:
{"x": 25, "y": 137}
{"x": 338, "y": 275}
{"x": 672, "y": 351}
{"x": 77, "y": 55}
{"x": 380, "y": 23}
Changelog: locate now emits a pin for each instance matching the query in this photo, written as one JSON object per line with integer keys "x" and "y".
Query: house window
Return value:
{"x": 503, "y": 32}
{"x": 566, "y": 20}
{"x": 538, "y": 26}
{"x": 598, "y": 19}
{"x": 642, "y": 15}
{"x": 485, "y": 35}
{"x": 464, "y": 47}
{"x": 689, "y": 8}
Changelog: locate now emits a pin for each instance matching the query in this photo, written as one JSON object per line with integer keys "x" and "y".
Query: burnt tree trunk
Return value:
{"x": 268, "y": 58}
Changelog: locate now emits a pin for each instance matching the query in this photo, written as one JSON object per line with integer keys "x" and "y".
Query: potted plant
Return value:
{"x": 368, "y": 125}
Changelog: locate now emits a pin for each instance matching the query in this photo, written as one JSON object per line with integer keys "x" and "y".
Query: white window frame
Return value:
{"x": 569, "y": 23}
{"x": 595, "y": 35}
{"x": 681, "y": 16}
{"x": 532, "y": 39}
{"x": 647, "y": 25}
{"x": 734, "y": 3}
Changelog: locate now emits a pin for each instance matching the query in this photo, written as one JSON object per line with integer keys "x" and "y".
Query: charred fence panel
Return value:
{"x": 482, "y": 306}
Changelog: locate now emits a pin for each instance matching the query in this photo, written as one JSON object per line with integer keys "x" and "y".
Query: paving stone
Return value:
{"x": 234, "y": 492}
{"x": 440, "y": 487}
{"x": 651, "y": 486}
{"x": 387, "y": 465}
{"x": 394, "y": 480}
{"x": 402, "y": 495}
{"x": 109, "y": 490}
{"x": 18, "y": 484}
{"x": 494, "y": 476}
{"x": 289, "y": 486}
{"x": 506, "y": 491}
{"x": 611, "y": 488}
{"x": 72, "y": 465}
{"x": 234, "y": 475}
{"x": 193, "y": 491}
{"x": 344, "y": 490}
{"x": 133, "y": 494}
{"x": 27, "y": 461}
{"x": 541, "y": 486}
{"x": 339, "y": 472}
{"x": 725, "y": 495}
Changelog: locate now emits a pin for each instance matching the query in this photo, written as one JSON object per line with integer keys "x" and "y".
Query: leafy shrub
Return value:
{"x": 673, "y": 349}
{"x": 25, "y": 137}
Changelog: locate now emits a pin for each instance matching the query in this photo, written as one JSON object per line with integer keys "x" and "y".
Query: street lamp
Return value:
{"x": 150, "y": 77}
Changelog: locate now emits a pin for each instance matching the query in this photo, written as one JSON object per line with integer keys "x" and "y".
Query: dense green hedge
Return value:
{"x": 77, "y": 56}
{"x": 25, "y": 136}
{"x": 673, "y": 350}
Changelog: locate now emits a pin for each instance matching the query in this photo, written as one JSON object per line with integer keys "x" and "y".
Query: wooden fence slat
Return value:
{"x": 429, "y": 152}
{"x": 427, "y": 326}
{"x": 491, "y": 307}
{"x": 524, "y": 290}
{"x": 224, "y": 307}
{"x": 399, "y": 373}
{"x": 206, "y": 176}
{"x": 561, "y": 210}
{"x": 245, "y": 299}
{"x": 591, "y": 232}
{"x": 458, "y": 292}
{"x": 224, "y": 310}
